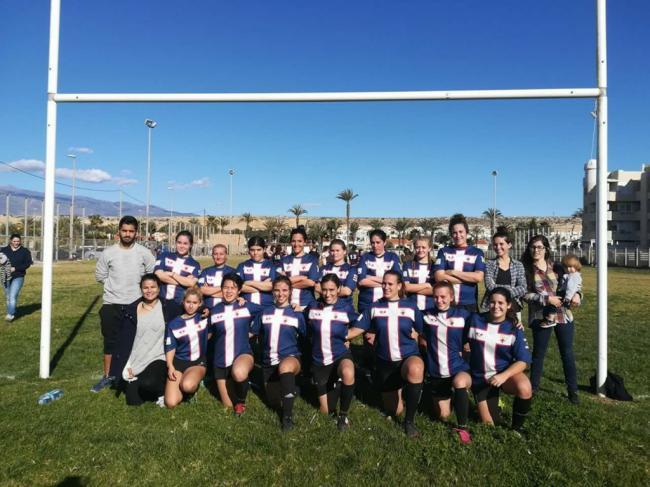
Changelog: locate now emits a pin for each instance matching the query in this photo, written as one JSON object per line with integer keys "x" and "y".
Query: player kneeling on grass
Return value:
{"x": 186, "y": 342}
{"x": 279, "y": 327}
{"x": 499, "y": 355}
{"x": 444, "y": 330}
{"x": 230, "y": 323}
{"x": 331, "y": 323}
{"x": 391, "y": 323}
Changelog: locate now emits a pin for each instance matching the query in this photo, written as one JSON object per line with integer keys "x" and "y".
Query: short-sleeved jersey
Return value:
{"x": 183, "y": 266}
{"x": 328, "y": 326}
{"x": 371, "y": 265}
{"x": 212, "y": 277}
{"x": 466, "y": 259}
{"x": 494, "y": 346}
{"x": 445, "y": 332}
{"x": 230, "y": 324}
{"x": 305, "y": 265}
{"x": 346, "y": 274}
{"x": 279, "y": 329}
{"x": 188, "y": 336}
{"x": 417, "y": 273}
{"x": 251, "y": 270}
{"x": 393, "y": 322}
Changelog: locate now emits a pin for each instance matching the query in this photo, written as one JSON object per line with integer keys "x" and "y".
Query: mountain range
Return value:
{"x": 93, "y": 206}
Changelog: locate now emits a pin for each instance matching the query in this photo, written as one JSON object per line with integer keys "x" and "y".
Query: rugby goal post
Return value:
{"x": 54, "y": 97}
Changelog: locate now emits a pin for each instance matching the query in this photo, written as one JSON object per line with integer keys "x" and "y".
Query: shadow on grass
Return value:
{"x": 28, "y": 309}
{"x": 59, "y": 353}
{"x": 73, "y": 482}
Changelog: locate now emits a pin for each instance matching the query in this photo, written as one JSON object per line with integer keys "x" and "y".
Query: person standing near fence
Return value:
{"x": 542, "y": 276}
{"x": 21, "y": 260}
{"x": 119, "y": 268}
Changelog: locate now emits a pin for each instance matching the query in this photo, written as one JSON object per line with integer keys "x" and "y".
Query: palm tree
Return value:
{"x": 430, "y": 226}
{"x": 212, "y": 223}
{"x": 492, "y": 214}
{"x": 578, "y": 213}
{"x": 332, "y": 226}
{"x": 248, "y": 219}
{"x": 317, "y": 231}
{"x": 222, "y": 223}
{"x": 297, "y": 210}
{"x": 354, "y": 228}
{"x": 347, "y": 195}
{"x": 376, "y": 224}
{"x": 401, "y": 226}
{"x": 274, "y": 226}
{"x": 475, "y": 233}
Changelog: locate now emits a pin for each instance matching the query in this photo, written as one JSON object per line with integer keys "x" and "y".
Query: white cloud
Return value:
{"x": 80, "y": 150}
{"x": 197, "y": 183}
{"x": 29, "y": 165}
{"x": 120, "y": 181}
{"x": 85, "y": 175}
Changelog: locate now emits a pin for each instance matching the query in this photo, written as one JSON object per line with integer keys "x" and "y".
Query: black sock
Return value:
{"x": 241, "y": 390}
{"x": 493, "y": 407}
{"x": 520, "y": 409}
{"x": 288, "y": 391}
{"x": 461, "y": 406}
{"x": 412, "y": 393}
{"x": 347, "y": 393}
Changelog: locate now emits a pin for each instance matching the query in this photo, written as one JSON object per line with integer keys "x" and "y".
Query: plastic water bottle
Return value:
{"x": 50, "y": 396}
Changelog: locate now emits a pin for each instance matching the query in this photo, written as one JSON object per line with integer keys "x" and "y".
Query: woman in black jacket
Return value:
{"x": 139, "y": 359}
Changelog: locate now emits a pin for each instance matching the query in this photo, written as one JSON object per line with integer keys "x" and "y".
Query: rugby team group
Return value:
{"x": 168, "y": 326}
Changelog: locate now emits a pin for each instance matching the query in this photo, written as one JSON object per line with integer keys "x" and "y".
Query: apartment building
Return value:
{"x": 628, "y": 203}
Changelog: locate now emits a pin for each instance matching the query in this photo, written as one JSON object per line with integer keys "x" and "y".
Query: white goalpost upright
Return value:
{"x": 54, "y": 97}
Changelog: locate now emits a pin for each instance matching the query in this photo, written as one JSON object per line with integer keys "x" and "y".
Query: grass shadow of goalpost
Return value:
{"x": 73, "y": 334}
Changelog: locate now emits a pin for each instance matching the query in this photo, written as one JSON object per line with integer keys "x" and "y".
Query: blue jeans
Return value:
{"x": 541, "y": 337}
{"x": 12, "y": 289}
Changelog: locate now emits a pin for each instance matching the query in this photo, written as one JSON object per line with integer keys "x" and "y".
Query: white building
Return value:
{"x": 628, "y": 202}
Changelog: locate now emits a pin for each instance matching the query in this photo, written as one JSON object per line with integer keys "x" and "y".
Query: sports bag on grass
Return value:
{"x": 614, "y": 387}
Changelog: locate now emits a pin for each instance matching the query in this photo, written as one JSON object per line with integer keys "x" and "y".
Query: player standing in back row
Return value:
{"x": 461, "y": 264}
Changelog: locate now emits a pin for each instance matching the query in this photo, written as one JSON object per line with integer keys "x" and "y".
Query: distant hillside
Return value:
{"x": 93, "y": 206}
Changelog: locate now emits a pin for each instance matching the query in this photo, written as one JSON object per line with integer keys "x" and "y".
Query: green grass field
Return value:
{"x": 95, "y": 439}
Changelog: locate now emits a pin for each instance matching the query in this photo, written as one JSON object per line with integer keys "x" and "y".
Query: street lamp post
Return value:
{"x": 171, "y": 215}
{"x": 151, "y": 124}
{"x": 494, "y": 203}
{"x": 73, "y": 158}
{"x": 231, "y": 173}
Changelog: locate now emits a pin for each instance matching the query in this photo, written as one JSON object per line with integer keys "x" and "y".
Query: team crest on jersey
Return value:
{"x": 178, "y": 265}
{"x": 465, "y": 258}
{"x": 190, "y": 327}
{"x": 264, "y": 272}
{"x": 283, "y": 320}
{"x": 400, "y": 312}
{"x": 319, "y": 314}
{"x": 451, "y": 322}
{"x": 290, "y": 267}
{"x": 239, "y": 313}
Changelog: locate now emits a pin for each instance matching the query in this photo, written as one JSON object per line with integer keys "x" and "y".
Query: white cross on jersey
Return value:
{"x": 380, "y": 267}
{"x": 459, "y": 259}
{"x": 342, "y": 275}
{"x": 326, "y": 316}
{"x": 191, "y": 330}
{"x": 276, "y": 320}
{"x": 177, "y": 266}
{"x": 228, "y": 318}
{"x": 258, "y": 273}
{"x": 442, "y": 323}
{"x": 292, "y": 269}
{"x": 422, "y": 275}
{"x": 393, "y": 312}
{"x": 491, "y": 339}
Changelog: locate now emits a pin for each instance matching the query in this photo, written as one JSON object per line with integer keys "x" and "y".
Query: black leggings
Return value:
{"x": 149, "y": 386}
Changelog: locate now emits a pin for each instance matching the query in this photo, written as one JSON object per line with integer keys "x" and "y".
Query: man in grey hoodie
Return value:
{"x": 119, "y": 268}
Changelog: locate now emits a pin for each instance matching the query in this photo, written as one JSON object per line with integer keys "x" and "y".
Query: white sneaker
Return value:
{"x": 9, "y": 317}
{"x": 161, "y": 402}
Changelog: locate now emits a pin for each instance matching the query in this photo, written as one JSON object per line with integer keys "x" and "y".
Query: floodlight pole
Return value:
{"x": 601, "y": 227}
{"x": 50, "y": 155}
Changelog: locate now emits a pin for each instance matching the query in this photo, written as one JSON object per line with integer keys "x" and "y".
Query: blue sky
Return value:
{"x": 404, "y": 159}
